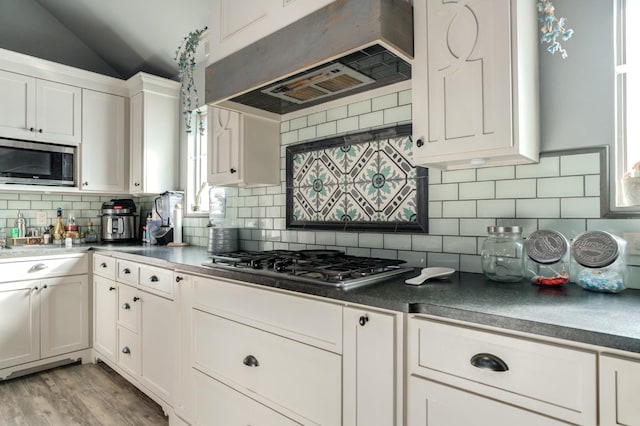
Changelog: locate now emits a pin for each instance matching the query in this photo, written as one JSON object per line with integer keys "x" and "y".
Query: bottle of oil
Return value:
{"x": 58, "y": 229}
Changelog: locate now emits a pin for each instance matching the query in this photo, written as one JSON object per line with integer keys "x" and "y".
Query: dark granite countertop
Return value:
{"x": 570, "y": 313}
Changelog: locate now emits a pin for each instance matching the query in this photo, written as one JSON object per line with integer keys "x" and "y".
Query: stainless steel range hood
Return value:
{"x": 347, "y": 47}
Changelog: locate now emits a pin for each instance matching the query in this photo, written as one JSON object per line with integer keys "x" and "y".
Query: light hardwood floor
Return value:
{"x": 76, "y": 395}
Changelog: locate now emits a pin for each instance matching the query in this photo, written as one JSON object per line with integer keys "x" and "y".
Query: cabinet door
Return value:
{"x": 64, "y": 315}
{"x": 467, "y": 90}
{"x": 102, "y": 142}
{"x": 17, "y": 105}
{"x": 225, "y": 138}
{"x": 58, "y": 112}
{"x": 433, "y": 404}
{"x": 159, "y": 344}
{"x": 104, "y": 317}
{"x": 135, "y": 143}
{"x": 19, "y": 323}
{"x": 619, "y": 390}
{"x": 128, "y": 307}
{"x": 369, "y": 366}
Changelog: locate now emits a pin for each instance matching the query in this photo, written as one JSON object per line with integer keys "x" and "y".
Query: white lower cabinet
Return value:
{"x": 435, "y": 404}
{"x": 19, "y": 323}
{"x": 619, "y": 390}
{"x": 371, "y": 382}
{"x": 551, "y": 380}
{"x": 105, "y": 302}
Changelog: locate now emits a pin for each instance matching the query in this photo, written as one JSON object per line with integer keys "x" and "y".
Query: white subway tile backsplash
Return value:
{"x": 397, "y": 114}
{"x": 537, "y": 208}
{"x": 348, "y": 124}
{"x": 337, "y": 113}
{"x": 580, "y": 164}
{"x": 517, "y": 188}
{"x": 496, "y": 208}
{"x": 444, "y": 226}
{"x": 326, "y": 238}
{"x": 527, "y": 225}
{"x": 435, "y": 209}
{"x": 458, "y": 209}
{"x": 615, "y": 226}
{"x": 19, "y": 205}
{"x": 265, "y": 200}
{"x": 298, "y": 123}
{"x": 370, "y": 240}
{"x": 326, "y": 129}
{"x": 586, "y": 207}
{"x": 426, "y": 243}
{"x": 259, "y": 191}
{"x": 570, "y": 228}
{"x": 561, "y": 187}
{"x": 359, "y": 108}
{"x": 592, "y": 186}
{"x": 30, "y": 196}
{"x": 435, "y": 176}
{"x": 384, "y": 254}
{"x": 451, "y": 176}
{"x": 384, "y": 102}
{"x": 404, "y": 97}
{"x": 347, "y": 239}
{"x": 413, "y": 258}
{"x": 317, "y": 118}
{"x": 446, "y": 260}
{"x": 308, "y": 133}
{"x": 397, "y": 241}
{"x": 443, "y": 192}
{"x": 476, "y": 190}
{"x": 466, "y": 245}
{"x": 289, "y": 137}
{"x": 470, "y": 263}
{"x": 284, "y": 126}
{"x": 475, "y": 227}
{"x": 373, "y": 119}
{"x": 289, "y": 236}
{"x": 547, "y": 167}
{"x": 496, "y": 173}
{"x": 306, "y": 237}
{"x": 357, "y": 251}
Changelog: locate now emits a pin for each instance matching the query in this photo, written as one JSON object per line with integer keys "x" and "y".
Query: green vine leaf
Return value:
{"x": 186, "y": 59}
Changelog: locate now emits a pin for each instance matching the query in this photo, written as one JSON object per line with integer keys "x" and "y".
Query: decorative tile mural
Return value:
{"x": 356, "y": 182}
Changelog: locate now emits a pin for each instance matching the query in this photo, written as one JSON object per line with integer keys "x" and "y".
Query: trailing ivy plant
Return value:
{"x": 552, "y": 28}
{"x": 186, "y": 59}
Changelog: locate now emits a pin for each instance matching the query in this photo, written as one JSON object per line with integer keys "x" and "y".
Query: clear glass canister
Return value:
{"x": 597, "y": 261}
{"x": 502, "y": 254}
{"x": 547, "y": 261}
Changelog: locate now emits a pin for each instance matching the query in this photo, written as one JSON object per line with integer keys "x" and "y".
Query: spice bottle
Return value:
{"x": 502, "y": 254}
{"x": 21, "y": 224}
{"x": 597, "y": 261}
{"x": 58, "y": 229}
{"x": 547, "y": 260}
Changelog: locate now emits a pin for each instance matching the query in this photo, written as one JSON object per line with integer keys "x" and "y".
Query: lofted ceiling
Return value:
{"x": 113, "y": 37}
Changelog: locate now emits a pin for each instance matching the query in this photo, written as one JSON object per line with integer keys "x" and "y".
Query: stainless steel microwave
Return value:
{"x": 34, "y": 163}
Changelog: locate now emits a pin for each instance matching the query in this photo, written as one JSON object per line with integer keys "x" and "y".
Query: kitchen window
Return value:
{"x": 627, "y": 104}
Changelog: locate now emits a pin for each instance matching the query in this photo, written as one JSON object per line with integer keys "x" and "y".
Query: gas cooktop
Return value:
{"x": 326, "y": 267}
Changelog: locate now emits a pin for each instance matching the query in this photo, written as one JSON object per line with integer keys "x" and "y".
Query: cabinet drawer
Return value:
{"x": 129, "y": 351}
{"x": 45, "y": 267}
{"x": 128, "y": 307}
{"x": 309, "y": 321}
{"x": 105, "y": 266}
{"x": 127, "y": 272}
{"x": 218, "y": 404}
{"x": 549, "y": 378}
{"x": 287, "y": 373}
{"x": 156, "y": 280}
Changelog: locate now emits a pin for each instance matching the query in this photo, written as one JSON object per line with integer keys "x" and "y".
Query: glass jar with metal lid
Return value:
{"x": 501, "y": 255}
{"x": 547, "y": 260}
{"x": 597, "y": 261}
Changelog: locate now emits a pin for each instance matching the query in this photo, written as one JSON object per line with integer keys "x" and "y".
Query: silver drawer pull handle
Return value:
{"x": 489, "y": 362}
{"x": 38, "y": 267}
{"x": 250, "y": 361}
{"x": 153, "y": 279}
{"x": 126, "y": 306}
{"x": 126, "y": 350}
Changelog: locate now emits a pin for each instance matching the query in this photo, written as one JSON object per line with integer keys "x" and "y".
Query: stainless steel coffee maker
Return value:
{"x": 163, "y": 208}
{"x": 118, "y": 222}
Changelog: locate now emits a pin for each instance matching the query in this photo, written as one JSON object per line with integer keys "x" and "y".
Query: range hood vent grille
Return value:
{"x": 327, "y": 81}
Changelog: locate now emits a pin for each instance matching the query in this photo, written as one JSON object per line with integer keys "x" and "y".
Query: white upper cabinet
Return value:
{"x": 244, "y": 150}
{"x": 103, "y": 127}
{"x": 236, "y": 24}
{"x": 154, "y": 128}
{"x": 40, "y": 110}
{"x": 475, "y": 83}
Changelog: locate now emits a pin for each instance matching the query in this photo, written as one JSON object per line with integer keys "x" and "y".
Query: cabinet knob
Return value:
{"x": 136, "y": 184}
{"x": 419, "y": 143}
{"x": 136, "y": 298}
{"x": 103, "y": 265}
{"x": 232, "y": 171}
{"x": 153, "y": 279}
{"x": 126, "y": 350}
{"x": 85, "y": 183}
{"x": 363, "y": 320}
{"x": 45, "y": 286}
{"x": 250, "y": 361}
{"x": 126, "y": 306}
{"x": 31, "y": 129}
{"x": 36, "y": 288}
{"x": 489, "y": 362}
{"x": 179, "y": 278}
{"x": 111, "y": 288}
{"x": 39, "y": 130}
{"x": 126, "y": 271}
